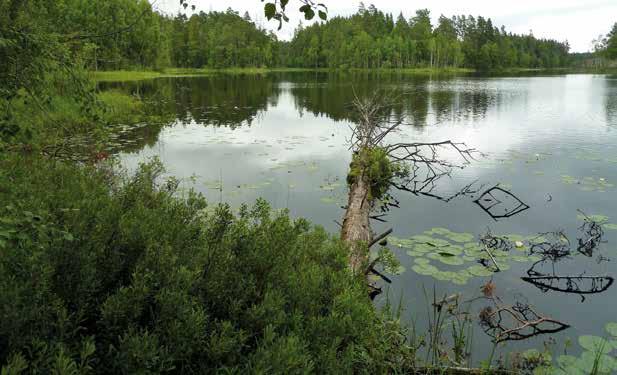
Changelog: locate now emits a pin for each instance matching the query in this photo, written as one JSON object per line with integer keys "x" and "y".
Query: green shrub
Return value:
{"x": 106, "y": 273}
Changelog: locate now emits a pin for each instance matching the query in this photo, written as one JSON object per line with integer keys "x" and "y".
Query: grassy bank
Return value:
{"x": 126, "y": 75}
{"x": 137, "y": 75}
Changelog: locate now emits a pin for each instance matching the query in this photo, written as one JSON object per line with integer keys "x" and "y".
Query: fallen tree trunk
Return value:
{"x": 356, "y": 231}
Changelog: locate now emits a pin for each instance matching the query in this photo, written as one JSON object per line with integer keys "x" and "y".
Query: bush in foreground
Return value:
{"x": 108, "y": 274}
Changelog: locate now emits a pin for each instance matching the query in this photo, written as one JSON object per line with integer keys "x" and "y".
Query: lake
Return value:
{"x": 550, "y": 140}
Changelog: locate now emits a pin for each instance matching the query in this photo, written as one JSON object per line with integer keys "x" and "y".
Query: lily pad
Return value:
{"x": 589, "y": 359}
{"x": 415, "y": 254}
{"x": 595, "y": 344}
{"x": 447, "y": 259}
{"x": 597, "y": 218}
{"x": 436, "y": 242}
{"x": 611, "y": 328}
{"x": 425, "y": 269}
{"x": 460, "y": 237}
{"x": 566, "y": 361}
{"x": 422, "y": 261}
{"x": 440, "y": 231}
{"x": 479, "y": 271}
{"x": 400, "y": 242}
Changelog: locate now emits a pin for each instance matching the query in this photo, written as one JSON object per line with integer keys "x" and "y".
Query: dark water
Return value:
{"x": 551, "y": 140}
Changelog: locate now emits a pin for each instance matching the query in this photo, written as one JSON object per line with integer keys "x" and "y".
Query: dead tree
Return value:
{"x": 421, "y": 166}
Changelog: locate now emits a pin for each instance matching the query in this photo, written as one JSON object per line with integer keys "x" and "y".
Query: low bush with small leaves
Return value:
{"x": 102, "y": 272}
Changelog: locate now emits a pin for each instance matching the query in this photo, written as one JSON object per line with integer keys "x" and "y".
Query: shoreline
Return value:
{"x": 139, "y": 75}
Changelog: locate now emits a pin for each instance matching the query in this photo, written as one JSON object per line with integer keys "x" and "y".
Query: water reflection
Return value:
{"x": 544, "y": 136}
{"x": 610, "y": 99}
{"x": 236, "y": 100}
{"x": 554, "y": 248}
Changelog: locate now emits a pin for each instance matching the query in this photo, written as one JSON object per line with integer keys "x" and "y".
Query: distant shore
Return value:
{"x": 136, "y": 75}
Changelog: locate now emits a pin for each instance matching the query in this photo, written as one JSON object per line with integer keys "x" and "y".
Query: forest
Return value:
{"x": 368, "y": 39}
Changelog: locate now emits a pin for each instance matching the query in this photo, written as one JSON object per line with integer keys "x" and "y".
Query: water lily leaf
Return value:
{"x": 425, "y": 269}
{"x": 589, "y": 359}
{"x": 595, "y": 344}
{"x": 566, "y": 361}
{"x": 597, "y": 218}
{"x": 479, "y": 271}
{"x": 461, "y": 278}
{"x": 435, "y": 242}
{"x": 443, "y": 275}
{"x": 460, "y": 237}
{"x": 447, "y": 259}
{"x": 440, "y": 231}
{"x": 415, "y": 254}
{"x": 422, "y": 261}
{"x": 423, "y": 248}
{"x": 611, "y": 328}
{"x": 514, "y": 237}
{"x": 402, "y": 242}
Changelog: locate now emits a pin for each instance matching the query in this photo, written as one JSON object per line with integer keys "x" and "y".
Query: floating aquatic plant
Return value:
{"x": 452, "y": 256}
{"x": 587, "y": 183}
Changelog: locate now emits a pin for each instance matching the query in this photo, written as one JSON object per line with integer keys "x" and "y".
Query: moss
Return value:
{"x": 377, "y": 167}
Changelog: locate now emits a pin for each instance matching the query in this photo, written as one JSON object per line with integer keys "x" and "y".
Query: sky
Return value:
{"x": 577, "y": 21}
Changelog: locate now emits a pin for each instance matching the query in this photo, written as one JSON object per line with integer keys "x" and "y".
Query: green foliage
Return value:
{"x": 611, "y": 43}
{"x": 372, "y": 39}
{"x": 376, "y": 167}
{"x": 219, "y": 40}
{"x": 105, "y": 273}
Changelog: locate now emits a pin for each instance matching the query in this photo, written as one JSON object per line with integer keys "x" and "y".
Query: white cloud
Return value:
{"x": 578, "y": 21}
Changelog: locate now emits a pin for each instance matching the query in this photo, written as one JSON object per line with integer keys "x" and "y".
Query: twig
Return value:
{"x": 380, "y": 237}
{"x": 492, "y": 258}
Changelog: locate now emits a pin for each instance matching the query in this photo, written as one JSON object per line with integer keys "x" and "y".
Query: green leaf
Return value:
{"x": 595, "y": 344}
{"x": 270, "y": 10}
{"x": 308, "y": 11}
{"x": 309, "y": 15}
{"x": 284, "y": 3}
{"x": 479, "y": 271}
{"x": 323, "y": 15}
{"x": 611, "y": 328}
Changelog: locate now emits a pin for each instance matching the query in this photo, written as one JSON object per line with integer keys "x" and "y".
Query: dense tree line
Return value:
{"x": 127, "y": 34}
{"x": 220, "y": 40}
{"x": 373, "y": 39}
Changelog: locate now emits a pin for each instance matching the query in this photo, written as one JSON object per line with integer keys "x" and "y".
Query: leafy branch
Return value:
{"x": 277, "y": 10}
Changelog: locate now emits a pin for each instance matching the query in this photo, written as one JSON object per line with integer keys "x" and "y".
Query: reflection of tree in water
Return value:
{"x": 218, "y": 100}
{"x": 553, "y": 249}
{"x": 610, "y": 99}
{"x": 236, "y": 100}
{"x": 229, "y": 101}
{"x": 221, "y": 100}
{"x": 330, "y": 95}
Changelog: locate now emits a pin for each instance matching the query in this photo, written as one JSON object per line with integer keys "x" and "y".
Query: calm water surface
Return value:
{"x": 551, "y": 140}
